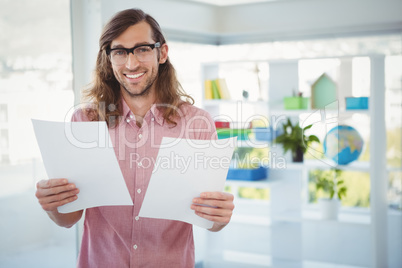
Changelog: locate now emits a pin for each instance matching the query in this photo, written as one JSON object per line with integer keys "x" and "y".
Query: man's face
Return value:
{"x": 137, "y": 78}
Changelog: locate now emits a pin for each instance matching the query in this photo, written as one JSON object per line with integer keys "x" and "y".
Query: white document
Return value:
{"x": 184, "y": 169}
{"x": 82, "y": 152}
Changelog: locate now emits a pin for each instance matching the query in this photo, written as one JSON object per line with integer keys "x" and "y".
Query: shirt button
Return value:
{"x": 152, "y": 119}
{"x": 131, "y": 116}
{"x": 137, "y": 218}
{"x": 128, "y": 120}
{"x": 135, "y": 247}
{"x": 139, "y": 191}
{"x": 140, "y": 136}
{"x": 139, "y": 164}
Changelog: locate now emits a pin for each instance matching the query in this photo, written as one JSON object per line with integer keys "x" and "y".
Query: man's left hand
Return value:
{"x": 214, "y": 206}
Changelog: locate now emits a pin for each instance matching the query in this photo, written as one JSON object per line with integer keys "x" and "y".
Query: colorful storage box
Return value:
{"x": 360, "y": 103}
{"x": 222, "y": 124}
{"x": 264, "y": 134}
{"x": 296, "y": 103}
{"x": 242, "y": 134}
{"x": 247, "y": 174}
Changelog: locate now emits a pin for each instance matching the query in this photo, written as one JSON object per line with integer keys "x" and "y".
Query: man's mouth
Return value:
{"x": 134, "y": 76}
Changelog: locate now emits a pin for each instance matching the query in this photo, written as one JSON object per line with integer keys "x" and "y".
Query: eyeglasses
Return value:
{"x": 119, "y": 56}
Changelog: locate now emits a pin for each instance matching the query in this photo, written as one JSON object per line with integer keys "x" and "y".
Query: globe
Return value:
{"x": 343, "y": 144}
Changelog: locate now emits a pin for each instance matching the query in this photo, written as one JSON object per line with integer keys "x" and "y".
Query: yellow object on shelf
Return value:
{"x": 208, "y": 89}
{"x": 215, "y": 90}
{"x": 223, "y": 88}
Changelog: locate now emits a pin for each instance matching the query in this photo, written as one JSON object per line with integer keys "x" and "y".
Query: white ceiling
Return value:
{"x": 230, "y": 2}
{"x": 245, "y": 21}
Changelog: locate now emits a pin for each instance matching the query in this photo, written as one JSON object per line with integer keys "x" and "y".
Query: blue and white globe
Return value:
{"x": 343, "y": 144}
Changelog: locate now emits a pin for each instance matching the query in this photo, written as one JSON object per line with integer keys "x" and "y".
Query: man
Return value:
{"x": 136, "y": 92}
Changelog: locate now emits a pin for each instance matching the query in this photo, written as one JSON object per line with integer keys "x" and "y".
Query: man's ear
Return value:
{"x": 164, "y": 53}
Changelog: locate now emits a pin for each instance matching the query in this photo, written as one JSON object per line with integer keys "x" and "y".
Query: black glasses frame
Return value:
{"x": 131, "y": 50}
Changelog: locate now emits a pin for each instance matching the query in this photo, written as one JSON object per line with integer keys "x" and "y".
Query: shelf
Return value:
{"x": 220, "y": 102}
{"x": 253, "y": 143}
{"x": 325, "y": 164}
{"x": 361, "y": 166}
{"x": 367, "y": 112}
{"x": 341, "y": 112}
{"x": 291, "y": 112}
{"x": 288, "y": 190}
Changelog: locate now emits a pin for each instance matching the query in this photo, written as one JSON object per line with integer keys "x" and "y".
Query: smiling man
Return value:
{"x": 137, "y": 93}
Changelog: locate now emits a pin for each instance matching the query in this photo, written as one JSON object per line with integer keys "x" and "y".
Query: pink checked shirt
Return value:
{"x": 114, "y": 236}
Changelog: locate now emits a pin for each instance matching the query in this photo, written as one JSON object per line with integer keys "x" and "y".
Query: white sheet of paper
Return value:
{"x": 82, "y": 152}
{"x": 183, "y": 171}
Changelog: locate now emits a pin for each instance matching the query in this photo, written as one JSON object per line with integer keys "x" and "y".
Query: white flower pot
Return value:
{"x": 329, "y": 208}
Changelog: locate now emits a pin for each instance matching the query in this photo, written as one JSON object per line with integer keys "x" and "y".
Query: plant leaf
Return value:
{"x": 312, "y": 138}
{"x": 308, "y": 127}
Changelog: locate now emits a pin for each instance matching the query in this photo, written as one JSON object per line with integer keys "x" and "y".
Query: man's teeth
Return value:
{"x": 133, "y": 76}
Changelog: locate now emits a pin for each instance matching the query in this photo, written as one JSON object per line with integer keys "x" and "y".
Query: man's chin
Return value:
{"x": 137, "y": 93}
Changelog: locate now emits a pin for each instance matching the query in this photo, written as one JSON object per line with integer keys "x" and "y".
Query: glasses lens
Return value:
{"x": 143, "y": 53}
{"x": 118, "y": 56}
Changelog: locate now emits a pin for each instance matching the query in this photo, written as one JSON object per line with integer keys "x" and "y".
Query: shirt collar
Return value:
{"x": 157, "y": 114}
{"x": 154, "y": 112}
{"x": 126, "y": 110}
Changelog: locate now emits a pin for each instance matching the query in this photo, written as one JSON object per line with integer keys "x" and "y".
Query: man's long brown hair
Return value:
{"x": 104, "y": 92}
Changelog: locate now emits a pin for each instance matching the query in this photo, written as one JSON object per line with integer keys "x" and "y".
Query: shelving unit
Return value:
{"x": 289, "y": 220}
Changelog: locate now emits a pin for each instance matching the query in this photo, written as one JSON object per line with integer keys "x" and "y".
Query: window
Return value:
{"x": 35, "y": 82}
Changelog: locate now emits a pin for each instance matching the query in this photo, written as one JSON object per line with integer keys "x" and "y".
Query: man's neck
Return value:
{"x": 140, "y": 105}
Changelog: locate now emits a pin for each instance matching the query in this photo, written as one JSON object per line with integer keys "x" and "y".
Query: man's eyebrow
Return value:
{"x": 116, "y": 46}
{"x": 121, "y": 46}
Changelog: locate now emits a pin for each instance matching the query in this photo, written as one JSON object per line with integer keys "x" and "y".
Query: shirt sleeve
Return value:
{"x": 209, "y": 126}
{"x": 82, "y": 115}
{"x": 200, "y": 125}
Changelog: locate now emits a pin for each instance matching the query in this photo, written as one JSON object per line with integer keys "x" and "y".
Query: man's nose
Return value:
{"x": 132, "y": 61}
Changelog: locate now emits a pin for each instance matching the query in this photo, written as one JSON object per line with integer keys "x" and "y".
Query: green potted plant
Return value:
{"x": 333, "y": 189}
{"x": 293, "y": 138}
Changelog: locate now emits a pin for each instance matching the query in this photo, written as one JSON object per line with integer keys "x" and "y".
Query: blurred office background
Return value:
{"x": 47, "y": 55}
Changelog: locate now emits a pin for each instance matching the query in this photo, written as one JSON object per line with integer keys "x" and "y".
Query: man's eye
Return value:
{"x": 119, "y": 52}
{"x": 143, "y": 49}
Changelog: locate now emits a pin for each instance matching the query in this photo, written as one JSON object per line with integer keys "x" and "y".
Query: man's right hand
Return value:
{"x": 54, "y": 193}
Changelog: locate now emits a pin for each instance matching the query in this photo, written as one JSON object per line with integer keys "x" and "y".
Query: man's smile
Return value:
{"x": 134, "y": 76}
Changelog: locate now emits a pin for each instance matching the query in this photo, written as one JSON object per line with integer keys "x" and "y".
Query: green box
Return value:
{"x": 296, "y": 103}
{"x": 242, "y": 134}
